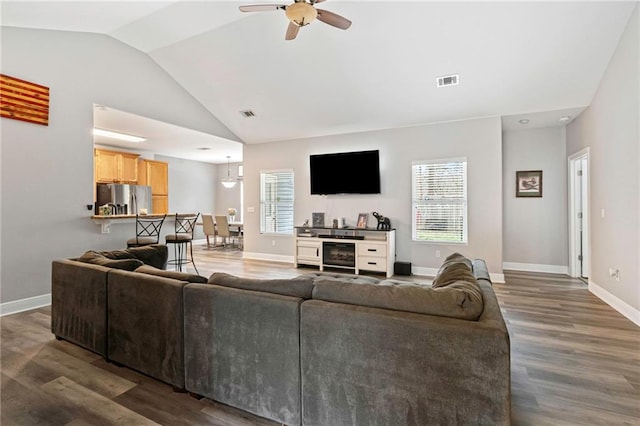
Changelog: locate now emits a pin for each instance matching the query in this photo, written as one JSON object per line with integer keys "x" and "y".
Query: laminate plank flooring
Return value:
{"x": 574, "y": 361}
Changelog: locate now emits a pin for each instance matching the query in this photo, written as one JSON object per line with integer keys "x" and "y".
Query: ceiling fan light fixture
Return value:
{"x": 301, "y": 13}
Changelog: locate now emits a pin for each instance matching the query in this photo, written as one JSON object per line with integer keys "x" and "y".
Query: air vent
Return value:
{"x": 248, "y": 113}
{"x": 448, "y": 80}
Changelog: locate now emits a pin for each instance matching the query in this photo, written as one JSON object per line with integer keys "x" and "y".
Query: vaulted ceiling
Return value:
{"x": 535, "y": 60}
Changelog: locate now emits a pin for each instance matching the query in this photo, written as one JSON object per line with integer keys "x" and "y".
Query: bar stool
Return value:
{"x": 185, "y": 225}
{"x": 147, "y": 231}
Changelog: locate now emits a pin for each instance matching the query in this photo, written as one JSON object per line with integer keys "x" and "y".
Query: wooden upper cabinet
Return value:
{"x": 156, "y": 175}
{"x": 113, "y": 166}
{"x": 129, "y": 168}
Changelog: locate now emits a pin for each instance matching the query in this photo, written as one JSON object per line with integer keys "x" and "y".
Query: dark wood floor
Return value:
{"x": 575, "y": 361}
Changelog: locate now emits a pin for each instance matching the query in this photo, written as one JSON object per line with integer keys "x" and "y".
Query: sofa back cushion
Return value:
{"x": 296, "y": 287}
{"x": 462, "y": 300}
{"x": 176, "y": 275}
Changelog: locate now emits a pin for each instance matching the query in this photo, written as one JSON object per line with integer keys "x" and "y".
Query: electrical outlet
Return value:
{"x": 438, "y": 254}
{"x": 615, "y": 273}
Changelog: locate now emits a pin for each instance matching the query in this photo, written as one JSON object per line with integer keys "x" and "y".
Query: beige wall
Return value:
{"x": 479, "y": 140}
{"x": 47, "y": 171}
{"x": 535, "y": 229}
{"x": 610, "y": 128}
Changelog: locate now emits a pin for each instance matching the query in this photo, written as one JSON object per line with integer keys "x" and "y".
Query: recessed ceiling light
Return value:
{"x": 116, "y": 135}
{"x": 524, "y": 121}
{"x": 564, "y": 119}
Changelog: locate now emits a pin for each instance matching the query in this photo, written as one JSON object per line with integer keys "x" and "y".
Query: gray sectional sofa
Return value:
{"x": 318, "y": 349}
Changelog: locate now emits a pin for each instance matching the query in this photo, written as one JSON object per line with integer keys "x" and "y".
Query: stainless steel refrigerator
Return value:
{"x": 124, "y": 199}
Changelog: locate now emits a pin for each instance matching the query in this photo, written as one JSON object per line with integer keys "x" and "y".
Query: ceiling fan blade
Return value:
{"x": 262, "y": 7}
{"x": 292, "y": 31}
{"x": 316, "y": 1}
{"x": 333, "y": 19}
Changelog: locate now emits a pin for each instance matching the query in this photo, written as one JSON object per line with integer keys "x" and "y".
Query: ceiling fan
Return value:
{"x": 301, "y": 13}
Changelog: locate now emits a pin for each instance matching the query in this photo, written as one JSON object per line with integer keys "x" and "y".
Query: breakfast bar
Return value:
{"x": 105, "y": 221}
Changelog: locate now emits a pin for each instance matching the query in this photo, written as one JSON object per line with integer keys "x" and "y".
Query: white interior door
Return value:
{"x": 579, "y": 250}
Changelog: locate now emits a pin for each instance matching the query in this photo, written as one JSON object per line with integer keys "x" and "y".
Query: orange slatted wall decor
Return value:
{"x": 22, "y": 100}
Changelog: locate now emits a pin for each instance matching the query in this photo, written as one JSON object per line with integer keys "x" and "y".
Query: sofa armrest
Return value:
{"x": 79, "y": 304}
{"x": 145, "y": 324}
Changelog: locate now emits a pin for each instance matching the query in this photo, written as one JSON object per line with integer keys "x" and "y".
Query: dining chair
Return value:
{"x": 223, "y": 229}
{"x": 209, "y": 228}
{"x": 147, "y": 231}
{"x": 182, "y": 238}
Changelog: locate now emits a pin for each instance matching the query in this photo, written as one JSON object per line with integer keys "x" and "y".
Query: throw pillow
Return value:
{"x": 97, "y": 258}
{"x": 455, "y": 267}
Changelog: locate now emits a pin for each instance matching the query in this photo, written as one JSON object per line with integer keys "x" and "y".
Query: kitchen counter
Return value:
{"x": 105, "y": 221}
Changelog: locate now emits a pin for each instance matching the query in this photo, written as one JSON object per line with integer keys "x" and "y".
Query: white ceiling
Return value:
{"x": 535, "y": 60}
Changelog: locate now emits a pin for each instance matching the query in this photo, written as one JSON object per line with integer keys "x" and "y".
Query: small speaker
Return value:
{"x": 402, "y": 268}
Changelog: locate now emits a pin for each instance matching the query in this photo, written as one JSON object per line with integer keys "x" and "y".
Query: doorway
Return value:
{"x": 579, "y": 247}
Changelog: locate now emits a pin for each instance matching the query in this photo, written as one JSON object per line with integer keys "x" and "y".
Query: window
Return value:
{"x": 440, "y": 201}
{"x": 276, "y": 202}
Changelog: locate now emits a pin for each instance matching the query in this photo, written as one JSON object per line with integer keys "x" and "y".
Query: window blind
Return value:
{"x": 276, "y": 202}
{"x": 440, "y": 201}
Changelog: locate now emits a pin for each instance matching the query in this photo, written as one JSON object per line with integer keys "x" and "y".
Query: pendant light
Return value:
{"x": 228, "y": 182}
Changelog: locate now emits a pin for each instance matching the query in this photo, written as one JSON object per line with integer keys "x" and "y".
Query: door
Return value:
{"x": 579, "y": 214}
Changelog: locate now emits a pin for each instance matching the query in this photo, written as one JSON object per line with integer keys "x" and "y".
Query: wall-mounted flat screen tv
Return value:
{"x": 345, "y": 173}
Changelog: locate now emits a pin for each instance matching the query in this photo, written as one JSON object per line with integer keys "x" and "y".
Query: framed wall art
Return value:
{"x": 529, "y": 183}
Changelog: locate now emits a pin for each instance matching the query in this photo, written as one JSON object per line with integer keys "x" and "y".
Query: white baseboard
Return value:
{"x": 533, "y": 267}
{"x": 619, "y": 305}
{"x": 27, "y": 304}
{"x": 497, "y": 278}
{"x": 268, "y": 257}
{"x": 425, "y": 272}
{"x": 431, "y": 272}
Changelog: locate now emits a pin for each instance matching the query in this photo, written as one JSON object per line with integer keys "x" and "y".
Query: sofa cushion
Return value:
{"x": 296, "y": 287}
{"x": 176, "y": 275}
{"x": 455, "y": 268}
{"x": 357, "y": 279}
{"x": 462, "y": 300}
{"x": 97, "y": 258}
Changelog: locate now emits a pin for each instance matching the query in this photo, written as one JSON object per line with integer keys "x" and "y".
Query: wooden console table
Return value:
{"x": 347, "y": 248}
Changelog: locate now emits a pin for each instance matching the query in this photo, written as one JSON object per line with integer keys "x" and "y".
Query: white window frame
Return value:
{"x": 436, "y": 236}
{"x": 285, "y": 207}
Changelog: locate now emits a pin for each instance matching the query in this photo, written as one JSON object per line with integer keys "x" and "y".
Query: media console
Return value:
{"x": 347, "y": 248}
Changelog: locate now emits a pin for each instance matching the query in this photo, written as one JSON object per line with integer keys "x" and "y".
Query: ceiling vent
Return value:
{"x": 248, "y": 113}
{"x": 448, "y": 80}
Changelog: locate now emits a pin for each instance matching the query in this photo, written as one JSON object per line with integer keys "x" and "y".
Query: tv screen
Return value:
{"x": 345, "y": 173}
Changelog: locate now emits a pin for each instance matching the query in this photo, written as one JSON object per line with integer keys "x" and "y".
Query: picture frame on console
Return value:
{"x": 317, "y": 219}
{"x": 529, "y": 183}
{"x": 362, "y": 220}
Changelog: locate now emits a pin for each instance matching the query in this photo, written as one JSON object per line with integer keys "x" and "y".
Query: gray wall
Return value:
{"x": 610, "y": 128}
{"x": 47, "y": 171}
{"x": 535, "y": 229}
{"x": 478, "y": 140}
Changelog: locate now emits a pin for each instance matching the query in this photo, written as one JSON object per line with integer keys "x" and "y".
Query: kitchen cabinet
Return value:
{"x": 114, "y": 166}
{"x": 156, "y": 175}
